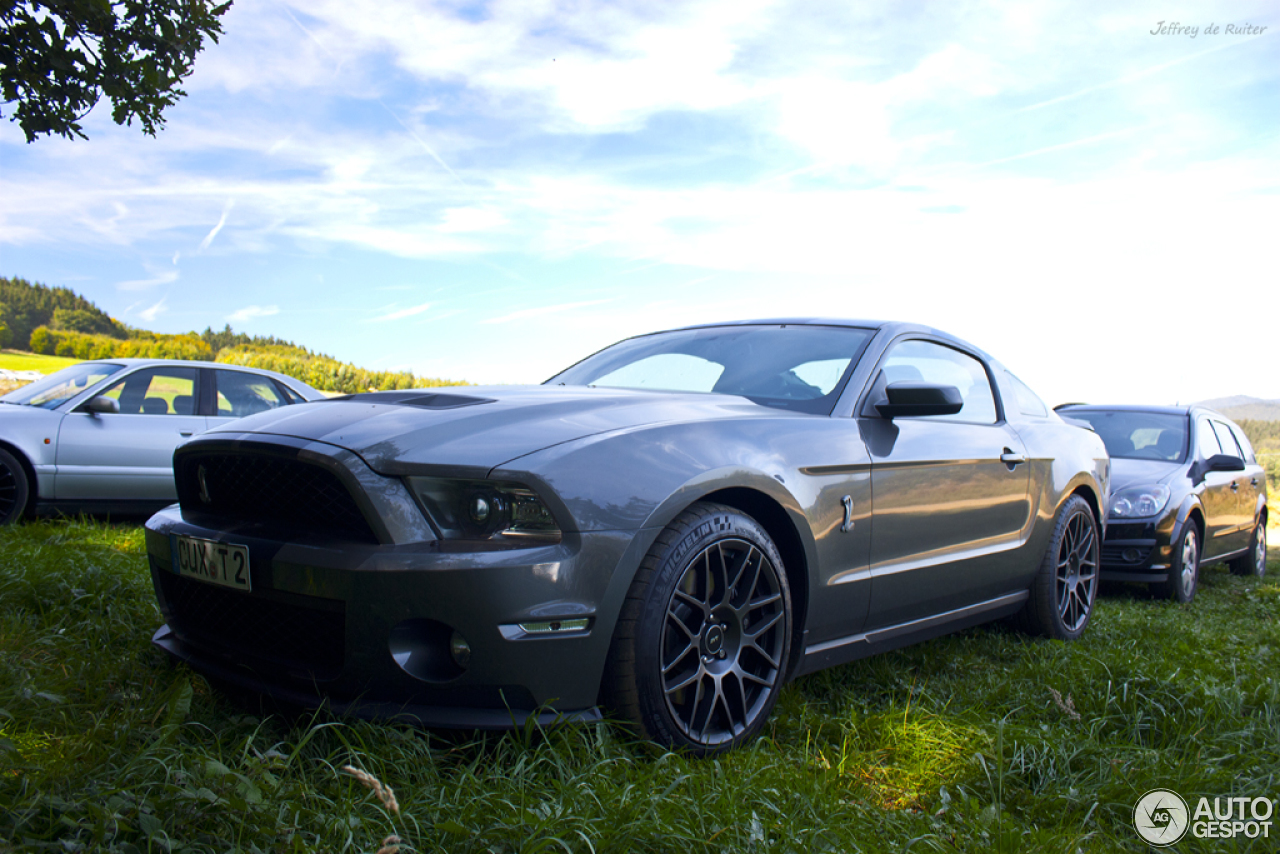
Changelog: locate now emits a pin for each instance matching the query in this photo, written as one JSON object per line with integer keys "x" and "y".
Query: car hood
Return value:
{"x": 1127, "y": 472}
{"x": 480, "y": 427}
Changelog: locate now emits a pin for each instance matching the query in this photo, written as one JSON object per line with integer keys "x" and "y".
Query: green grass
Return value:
{"x": 981, "y": 740}
{"x": 16, "y": 360}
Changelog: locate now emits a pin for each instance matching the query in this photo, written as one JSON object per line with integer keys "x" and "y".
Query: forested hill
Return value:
{"x": 60, "y": 322}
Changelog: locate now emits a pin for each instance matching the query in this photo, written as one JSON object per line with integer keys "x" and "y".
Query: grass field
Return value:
{"x": 16, "y": 360}
{"x": 986, "y": 740}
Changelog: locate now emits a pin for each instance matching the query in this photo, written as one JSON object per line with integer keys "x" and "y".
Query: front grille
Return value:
{"x": 305, "y": 637}
{"x": 249, "y": 487}
{"x": 1130, "y": 531}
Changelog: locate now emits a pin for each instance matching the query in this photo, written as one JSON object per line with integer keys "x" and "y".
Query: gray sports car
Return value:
{"x": 670, "y": 529}
{"x": 99, "y": 436}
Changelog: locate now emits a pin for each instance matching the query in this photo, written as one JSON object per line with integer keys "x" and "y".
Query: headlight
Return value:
{"x": 1139, "y": 501}
{"x": 495, "y": 511}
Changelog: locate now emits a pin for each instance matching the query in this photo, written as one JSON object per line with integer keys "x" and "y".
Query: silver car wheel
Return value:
{"x": 723, "y": 640}
{"x": 1077, "y": 572}
{"x": 1190, "y": 564}
{"x": 14, "y": 489}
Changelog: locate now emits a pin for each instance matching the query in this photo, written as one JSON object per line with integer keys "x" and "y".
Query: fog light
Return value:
{"x": 459, "y": 649}
{"x": 1131, "y": 555}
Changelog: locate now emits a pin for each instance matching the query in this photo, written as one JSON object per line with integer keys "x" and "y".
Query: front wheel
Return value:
{"x": 1063, "y": 592}
{"x": 1254, "y": 561}
{"x": 14, "y": 488}
{"x": 701, "y": 647}
{"x": 1184, "y": 570}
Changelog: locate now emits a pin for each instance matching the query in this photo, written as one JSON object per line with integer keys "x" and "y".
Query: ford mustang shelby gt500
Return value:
{"x": 669, "y": 529}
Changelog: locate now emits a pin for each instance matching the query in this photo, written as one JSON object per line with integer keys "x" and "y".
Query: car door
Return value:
{"x": 240, "y": 393}
{"x": 1244, "y": 489}
{"x": 129, "y": 455}
{"x": 1219, "y": 494}
{"x": 950, "y": 496}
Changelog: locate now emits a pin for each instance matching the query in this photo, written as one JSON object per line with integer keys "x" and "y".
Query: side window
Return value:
{"x": 1243, "y": 441}
{"x": 1206, "y": 440}
{"x": 1226, "y": 440}
{"x": 156, "y": 391}
{"x": 290, "y": 396}
{"x": 1028, "y": 402}
{"x": 240, "y": 394}
{"x": 925, "y": 361}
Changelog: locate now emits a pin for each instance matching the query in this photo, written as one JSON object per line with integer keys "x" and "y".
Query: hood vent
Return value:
{"x": 416, "y": 398}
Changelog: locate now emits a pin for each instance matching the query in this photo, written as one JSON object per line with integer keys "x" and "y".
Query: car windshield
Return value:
{"x": 59, "y": 387}
{"x": 1138, "y": 435}
{"x": 801, "y": 367}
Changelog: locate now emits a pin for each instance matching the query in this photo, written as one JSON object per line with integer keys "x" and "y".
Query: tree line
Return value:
{"x": 60, "y": 322}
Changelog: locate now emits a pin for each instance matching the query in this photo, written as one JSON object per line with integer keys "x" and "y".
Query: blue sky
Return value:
{"x": 489, "y": 191}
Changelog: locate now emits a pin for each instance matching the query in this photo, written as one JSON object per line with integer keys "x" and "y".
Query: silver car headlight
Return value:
{"x": 1138, "y": 502}
{"x": 498, "y": 512}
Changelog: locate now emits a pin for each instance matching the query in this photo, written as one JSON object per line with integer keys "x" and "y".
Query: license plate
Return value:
{"x": 217, "y": 563}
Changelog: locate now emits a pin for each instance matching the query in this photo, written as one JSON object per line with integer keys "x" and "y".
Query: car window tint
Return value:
{"x": 1226, "y": 440}
{"x": 290, "y": 396}
{"x": 240, "y": 394}
{"x": 925, "y": 361}
{"x": 667, "y": 371}
{"x": 1206, "y": 440}
{"x": 823, "y": 375}
{"x": 1028, "y": 402}
{"x": 1243, "y": 441}
{"x": 156, "y": 391}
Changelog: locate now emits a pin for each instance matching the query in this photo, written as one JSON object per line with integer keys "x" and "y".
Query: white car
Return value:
{"x": 99, "y": 436}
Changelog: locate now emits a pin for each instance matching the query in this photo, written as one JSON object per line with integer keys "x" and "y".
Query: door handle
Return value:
{"x": 187, "y": 433}
{"x": 1235, "y": 487}
{"x": 1010, "y": 458}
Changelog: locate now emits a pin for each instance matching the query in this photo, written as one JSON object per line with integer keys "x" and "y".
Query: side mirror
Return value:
{"x": 907, "y": 399}
{"x": 1224, "y": 462}
{"x": 100, "y": 405}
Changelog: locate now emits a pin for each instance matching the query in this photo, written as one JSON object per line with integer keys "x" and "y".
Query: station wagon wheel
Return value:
{"x": 1254, "y": 561}
{"x": 1063, "y": 592}
{"x": 1184, "y": 569}
{"x": 700, "y": 652}
{"x": 14, "y": 489}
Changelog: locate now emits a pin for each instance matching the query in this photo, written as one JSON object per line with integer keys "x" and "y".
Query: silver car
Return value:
{"x": 99, "y": 436}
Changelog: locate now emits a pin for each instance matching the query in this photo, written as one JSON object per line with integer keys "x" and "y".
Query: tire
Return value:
{"x": 1254, "y": 561}
{"x": 15, "y": 489}
{"x": 1066, "y": 585}
{"x": 1184, "y": 569}
{"x": 700, "y": 651}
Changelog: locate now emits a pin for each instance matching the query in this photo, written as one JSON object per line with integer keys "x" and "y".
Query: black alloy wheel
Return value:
{"x": 1063, "y": 593}
{"x": 14, "y": 489}
{"x": 701, "y": 649}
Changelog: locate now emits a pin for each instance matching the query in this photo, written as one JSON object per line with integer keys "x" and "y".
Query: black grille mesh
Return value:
{"x": 1114, "y": 555}
{"x": 307, "y": 641}
{"x": 248, "y": 487}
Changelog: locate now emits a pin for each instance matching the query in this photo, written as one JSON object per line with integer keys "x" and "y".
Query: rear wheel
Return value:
{"x": 1254, "y": 561}
{"x": 700, "y": 651}
{"x": 1184, "y": 570}
{"x": 14, "y": 488}
{"x": 1063, "y": 592}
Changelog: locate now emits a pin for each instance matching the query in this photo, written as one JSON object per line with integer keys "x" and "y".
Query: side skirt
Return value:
{"x": 842, "y": 650}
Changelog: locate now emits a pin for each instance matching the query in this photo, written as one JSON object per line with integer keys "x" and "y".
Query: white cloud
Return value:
{"x": 253, "y": 312}
{"x": 400, "y": 314}
{"x": 150, "y": 314}
{"x": 525, "y": 314}
{"x": 222, "y": 220}
{"x": 163, "y": 277}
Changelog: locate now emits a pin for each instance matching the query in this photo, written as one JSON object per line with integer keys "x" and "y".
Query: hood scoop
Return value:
{"x": 429, "y": 400}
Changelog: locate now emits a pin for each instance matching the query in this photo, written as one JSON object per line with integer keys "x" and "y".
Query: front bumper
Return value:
{"x": 1135, "y": 551}
{"x": 365, "y": 628}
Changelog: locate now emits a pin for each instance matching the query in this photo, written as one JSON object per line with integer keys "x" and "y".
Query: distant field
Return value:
{"x": 16, "y": 360}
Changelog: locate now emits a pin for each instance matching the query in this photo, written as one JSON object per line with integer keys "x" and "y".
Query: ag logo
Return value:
{"x": 1160, "y": 817}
